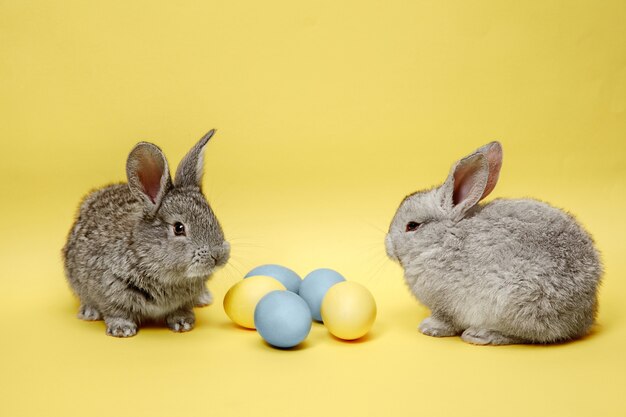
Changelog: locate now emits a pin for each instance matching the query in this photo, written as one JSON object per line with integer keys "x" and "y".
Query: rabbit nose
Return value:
{"x": 389, "y": 248}
{"x": 221, "y": 254}
{"x": 226, "y": 249}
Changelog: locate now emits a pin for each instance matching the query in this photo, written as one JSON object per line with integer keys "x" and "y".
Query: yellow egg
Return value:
{"x": 348, "y": 310}
{"x": 242, "y": 298}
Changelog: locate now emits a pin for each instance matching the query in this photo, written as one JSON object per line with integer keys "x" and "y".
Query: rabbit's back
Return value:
{"x": 99, "y": 239}
{"x": 531, "y": 235}
{"x": 553, "y": 270}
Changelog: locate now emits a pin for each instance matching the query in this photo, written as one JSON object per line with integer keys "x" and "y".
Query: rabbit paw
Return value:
{"x": 487, "y": 337}
{"x": 88, "y": 313}
{"x": 120, "y": 327}
{"x": 431, "y": 326}
{"x": 205, "y": 299}
{"x": 181, "y": 321}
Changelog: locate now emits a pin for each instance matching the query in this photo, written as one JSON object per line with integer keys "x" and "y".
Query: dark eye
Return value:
{"x": 411, "y": 226}
{"x": 179, "y": 229}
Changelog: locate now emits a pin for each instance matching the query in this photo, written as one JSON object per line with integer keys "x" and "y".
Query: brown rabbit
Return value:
{"x": 144, "y": 250}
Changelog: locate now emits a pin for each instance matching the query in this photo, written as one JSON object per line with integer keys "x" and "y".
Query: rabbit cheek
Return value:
{"x": 202, "y": 263}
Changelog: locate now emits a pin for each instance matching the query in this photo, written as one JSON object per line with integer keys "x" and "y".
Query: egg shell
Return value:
{"x": 242, "y": 298}
{"x": 289, "y": 278}
{"x": 348, "y": 310}
{"x": 314, "y": 287}
{"x": 283, "y": 319}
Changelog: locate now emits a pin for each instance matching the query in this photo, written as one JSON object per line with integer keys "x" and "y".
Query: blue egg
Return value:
{"x": 314, "y": 287}
{"x": 286, "y": 276}
{"x": 283, "y": 319}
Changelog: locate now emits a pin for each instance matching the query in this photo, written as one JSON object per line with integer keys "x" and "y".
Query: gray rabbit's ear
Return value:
{"x": 189, "y": 172}
{"x": 148, "y": 174}
{"x": 465, "y": 184}
{"x": 471, "y": 179}
{"x": 493, "y": 152}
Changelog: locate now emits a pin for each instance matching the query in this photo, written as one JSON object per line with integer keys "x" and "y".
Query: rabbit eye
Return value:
{"x": 179, "y": 229}
{"x": 411, "y": 226}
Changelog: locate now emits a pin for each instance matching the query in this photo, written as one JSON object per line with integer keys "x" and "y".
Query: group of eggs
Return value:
{"x": 281, "y": 306}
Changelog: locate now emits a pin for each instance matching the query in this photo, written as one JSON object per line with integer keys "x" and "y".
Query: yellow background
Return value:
{"x": 328, "y": 113}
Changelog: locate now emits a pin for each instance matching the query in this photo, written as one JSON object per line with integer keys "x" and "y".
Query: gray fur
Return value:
{"x": 122, "y": 257}
{"x": 509, "y": 271}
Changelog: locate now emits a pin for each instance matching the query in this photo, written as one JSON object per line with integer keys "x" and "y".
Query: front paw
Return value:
{"x": 181, "y": 321}
{"x": 204, "y": 299}
{"x": 88, "y": 313}
{"x": 120, "y": 327}
{"x": 433, "y": 327}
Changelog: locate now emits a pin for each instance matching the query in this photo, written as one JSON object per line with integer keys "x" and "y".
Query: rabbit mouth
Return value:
{"x": 198, "y": 270}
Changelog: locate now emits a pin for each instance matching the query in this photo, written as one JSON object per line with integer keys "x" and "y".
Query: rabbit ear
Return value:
{"x": 148, "y": 174}
{"x": 189, "y": 172}
{"x": 493, "y": 152}
{"x": 472, "y": 179}
{"x": 465, "y": 184}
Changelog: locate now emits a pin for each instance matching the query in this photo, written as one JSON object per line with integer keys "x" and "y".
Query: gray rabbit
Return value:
{"x": 505, "y": 272}
{"x": 144, "y": 250}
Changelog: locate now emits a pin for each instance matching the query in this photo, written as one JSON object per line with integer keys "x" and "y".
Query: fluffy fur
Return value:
{"x": 123, "y": 257}
{"x": 510, "y": 271}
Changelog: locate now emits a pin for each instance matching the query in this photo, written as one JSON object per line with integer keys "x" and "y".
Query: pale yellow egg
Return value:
{"x": 348, "y": 310}
{"x": 242, "y": 298}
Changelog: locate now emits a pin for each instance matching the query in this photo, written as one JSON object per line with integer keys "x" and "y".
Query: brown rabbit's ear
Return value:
{"x": 148, "y": 174}
{"x": 472, "y": 179}
{"x": 190, "y": 169}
